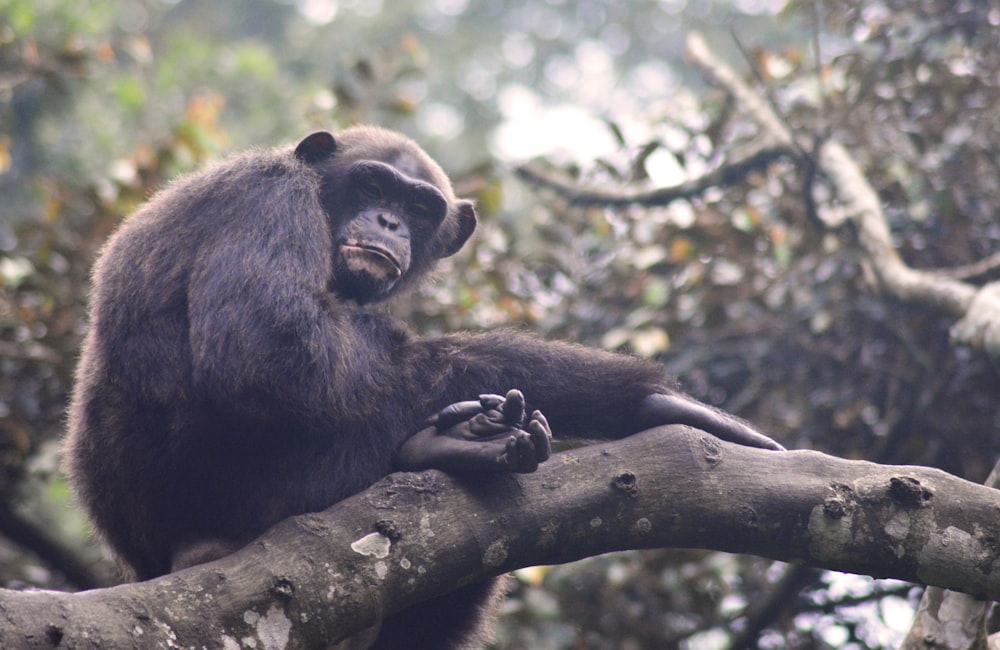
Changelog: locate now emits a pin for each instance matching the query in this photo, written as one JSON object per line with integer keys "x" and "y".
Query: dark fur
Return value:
{"x": 227, "y": 383}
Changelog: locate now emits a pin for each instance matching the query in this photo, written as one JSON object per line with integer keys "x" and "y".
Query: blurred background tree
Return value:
{"x": 757, "y": 310}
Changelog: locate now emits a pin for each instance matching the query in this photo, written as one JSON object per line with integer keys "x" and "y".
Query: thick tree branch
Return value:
{"x": 317, "y": 578}
{"x": 948, "y": 620}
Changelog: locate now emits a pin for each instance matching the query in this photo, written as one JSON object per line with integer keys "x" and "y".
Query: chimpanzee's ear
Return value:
{"x": 316, "y": 147}
{"x": 465, "y": 225}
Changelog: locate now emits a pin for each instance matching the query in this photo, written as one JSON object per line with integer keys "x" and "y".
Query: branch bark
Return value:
{"x": 318, "y": 578}
{"x": 947, "y": 620}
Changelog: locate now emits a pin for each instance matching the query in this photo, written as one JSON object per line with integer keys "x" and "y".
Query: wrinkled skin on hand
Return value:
{"x": 493, "y": 434}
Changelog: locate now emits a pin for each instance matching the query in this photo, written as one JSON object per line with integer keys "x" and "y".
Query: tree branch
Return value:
{"x": 315, "y": 579}
{"x": 35, "y": 539}
{"x": 948, "y": 620}
{"x": 728, "y": 174}
{"x": 978, "y": 307}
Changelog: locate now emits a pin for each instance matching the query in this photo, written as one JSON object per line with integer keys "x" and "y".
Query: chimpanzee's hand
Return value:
{"x": 492, "y": 434}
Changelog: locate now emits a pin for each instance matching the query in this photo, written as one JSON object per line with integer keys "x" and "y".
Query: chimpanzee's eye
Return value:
{"x": 370, "y": 190}
{"x": 426, "y": 206}
{"x": 419, "y": 211}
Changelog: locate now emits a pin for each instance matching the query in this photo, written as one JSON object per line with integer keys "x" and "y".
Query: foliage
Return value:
{"x": 756, "y": 309}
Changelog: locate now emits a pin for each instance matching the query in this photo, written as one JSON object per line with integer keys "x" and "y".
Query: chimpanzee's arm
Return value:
{"x": 583, "y": 392}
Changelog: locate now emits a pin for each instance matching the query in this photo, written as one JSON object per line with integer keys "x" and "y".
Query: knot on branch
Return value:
{"x": 627, "y": 483}
{"x": 909, "y": 491}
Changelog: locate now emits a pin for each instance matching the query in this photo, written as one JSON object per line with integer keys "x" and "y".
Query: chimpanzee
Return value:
{"x": 236, "y": 370}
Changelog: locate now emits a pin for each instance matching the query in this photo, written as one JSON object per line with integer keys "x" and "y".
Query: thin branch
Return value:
{"x": 796, "y": 578}
{"x": 767, "y": 91}
{"x": 726, "y": 175}
{"x": 818, "y": 63}
{"x": 971, "y": 270}
{"x": 51, "y": 551}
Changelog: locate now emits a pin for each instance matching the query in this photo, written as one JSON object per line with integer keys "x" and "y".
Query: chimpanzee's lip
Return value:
{"x": 381, "y": 254}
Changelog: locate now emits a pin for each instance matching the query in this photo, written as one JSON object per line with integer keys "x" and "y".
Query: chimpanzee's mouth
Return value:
{"x": 371, "y": 253}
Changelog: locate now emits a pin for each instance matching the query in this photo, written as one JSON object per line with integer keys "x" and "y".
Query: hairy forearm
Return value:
{"x": 581, "y": 391}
